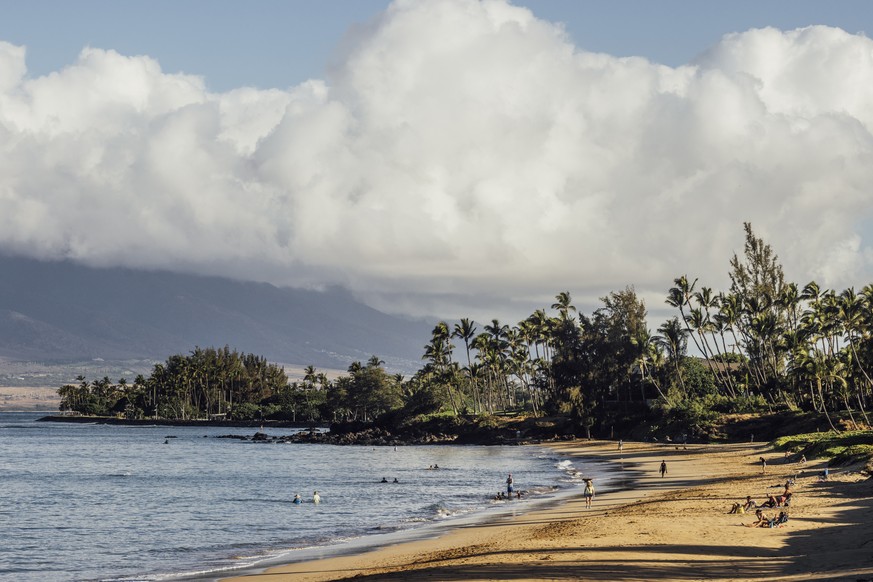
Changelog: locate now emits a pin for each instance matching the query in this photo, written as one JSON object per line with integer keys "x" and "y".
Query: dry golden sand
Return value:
{"x": 675, "y": 528}
{"x": 15, "y": 398}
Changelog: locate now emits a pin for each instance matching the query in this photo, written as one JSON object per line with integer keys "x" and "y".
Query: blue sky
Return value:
{"x": 280, "y": 43}
{"x": 440, "y": 157}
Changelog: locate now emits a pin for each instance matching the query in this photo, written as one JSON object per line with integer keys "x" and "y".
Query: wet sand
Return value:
{"x": 671, "y": 528}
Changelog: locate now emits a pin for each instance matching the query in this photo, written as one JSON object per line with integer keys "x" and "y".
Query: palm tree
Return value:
{"x": 650, "y": 357}
{"x": 563, "y": 304}
{"x": 853, "y": 310}
{"x": 439, "y": 352}
{"x": 700, "y": 322}
{"x": 680, "y": 296}
{"x": 466, "y": 330}
{"x": 674, "y": 340}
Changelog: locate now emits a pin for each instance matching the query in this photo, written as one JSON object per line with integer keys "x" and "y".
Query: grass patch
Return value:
{"x": 841, "y": 449}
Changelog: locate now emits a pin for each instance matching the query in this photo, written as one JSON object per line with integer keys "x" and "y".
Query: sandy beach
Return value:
{"x": 27, "y": 398}
{"x": 671, "y": 528}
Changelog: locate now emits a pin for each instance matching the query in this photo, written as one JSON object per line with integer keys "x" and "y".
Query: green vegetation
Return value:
{"x": 843, "y": 448}
{"x": 206, "y": 383}
{"x": 768, "y": 346}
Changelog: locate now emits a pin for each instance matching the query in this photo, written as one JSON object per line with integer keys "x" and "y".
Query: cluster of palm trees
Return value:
{"x": 537, "y": 365}
{"x": 809, "y": 348}
{"x": 507, "y": 370}
{"x": 765, "y": 343}
{"x": 205, "y": 383}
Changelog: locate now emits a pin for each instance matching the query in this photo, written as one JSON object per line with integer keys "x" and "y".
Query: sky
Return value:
{"x": 440, "y": 157}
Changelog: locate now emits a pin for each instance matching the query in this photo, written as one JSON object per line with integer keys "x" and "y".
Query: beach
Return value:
{"x": 675, "y": 527}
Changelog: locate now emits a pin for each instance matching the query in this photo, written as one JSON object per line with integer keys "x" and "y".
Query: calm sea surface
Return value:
{"x": 98, "y": 502}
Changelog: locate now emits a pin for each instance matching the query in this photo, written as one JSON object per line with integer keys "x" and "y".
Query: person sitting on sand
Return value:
{"x": 762, "y": 520}
{"x": 750, "y": 503}
{"x": 784, "y": 500}
{"x": 737, "y": 508}
{"x": 771, "y": 502}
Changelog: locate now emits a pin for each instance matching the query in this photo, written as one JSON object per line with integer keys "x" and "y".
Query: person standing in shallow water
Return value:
{"x": 509, "y": 485}
{"x": 663, "y": 468}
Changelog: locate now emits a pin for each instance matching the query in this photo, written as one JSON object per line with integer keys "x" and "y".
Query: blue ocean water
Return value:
{"x": 99, "y": 502}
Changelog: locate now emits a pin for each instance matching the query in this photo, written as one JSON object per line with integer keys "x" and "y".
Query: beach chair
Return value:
{"x": 781, "y": 520}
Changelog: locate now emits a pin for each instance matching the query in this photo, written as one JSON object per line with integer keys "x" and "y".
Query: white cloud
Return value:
{"x": 457, "y": 149}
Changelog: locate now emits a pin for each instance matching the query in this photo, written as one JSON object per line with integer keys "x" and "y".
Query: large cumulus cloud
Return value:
{"x": 459, "y": 153}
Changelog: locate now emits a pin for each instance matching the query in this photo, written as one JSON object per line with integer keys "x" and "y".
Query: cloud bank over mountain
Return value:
{"x": 458, "y": 156}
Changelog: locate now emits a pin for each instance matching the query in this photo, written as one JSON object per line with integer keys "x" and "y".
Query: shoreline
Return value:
{"x": 614, "y": 477}
{"x": 671, "y": 528}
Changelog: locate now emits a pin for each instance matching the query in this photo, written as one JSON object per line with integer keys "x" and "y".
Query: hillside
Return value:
{"x": 62, "y": 312}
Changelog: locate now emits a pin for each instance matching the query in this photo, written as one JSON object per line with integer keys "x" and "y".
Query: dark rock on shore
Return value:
{"x": 167, "y": 422}
{"x": 454, "y": 431}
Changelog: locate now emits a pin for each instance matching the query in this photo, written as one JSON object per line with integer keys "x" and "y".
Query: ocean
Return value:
{"x": 100, "y": 502}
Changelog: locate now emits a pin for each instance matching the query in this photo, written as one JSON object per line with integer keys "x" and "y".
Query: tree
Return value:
{"x": 673, "y": 340}
{"x": 466, "y": 331}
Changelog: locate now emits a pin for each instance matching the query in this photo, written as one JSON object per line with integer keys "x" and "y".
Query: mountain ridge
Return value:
{"x": 61, "y": 311}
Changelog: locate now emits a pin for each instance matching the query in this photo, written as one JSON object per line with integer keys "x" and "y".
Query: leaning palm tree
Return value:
{"x": 853, "y": 309}
{"x": 816, "y": 369}
{"x": 649, "y": 359}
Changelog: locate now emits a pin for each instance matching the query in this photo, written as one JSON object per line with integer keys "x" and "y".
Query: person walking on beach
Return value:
{"x": 763, "y": 465}
{"x": 620, "y": 445}
{"x": 509, "y": 485}
{"x": 663, "y": 468}
{"x": 589, "y": 493}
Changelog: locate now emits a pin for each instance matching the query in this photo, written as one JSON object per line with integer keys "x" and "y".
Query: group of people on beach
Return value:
{"x": 773, "y": 501}
{"x": 510, "y": 490}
